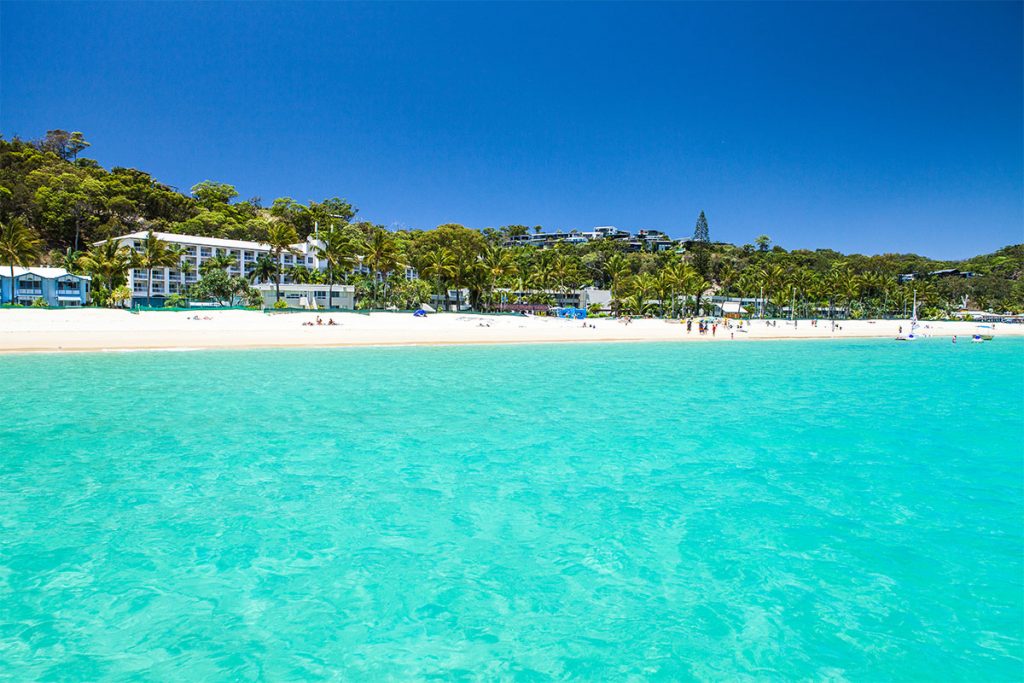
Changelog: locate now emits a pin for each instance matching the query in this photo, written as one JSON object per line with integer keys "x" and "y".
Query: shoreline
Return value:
{"x": 113, "y": 331}
{"x": 401, "y": 344}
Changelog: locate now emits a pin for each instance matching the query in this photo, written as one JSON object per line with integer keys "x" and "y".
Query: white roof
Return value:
{"x": 42, "y": 271}
{"x": 731, "y": 307}
{"x": 201, "y": 241}
{"x": 338, "y": 288}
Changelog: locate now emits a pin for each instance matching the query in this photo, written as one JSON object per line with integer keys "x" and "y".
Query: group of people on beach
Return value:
{"x": 703, "y": 326}
{"x": 319, "y": 321}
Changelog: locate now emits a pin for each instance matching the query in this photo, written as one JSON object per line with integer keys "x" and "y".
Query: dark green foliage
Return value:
{"x": 700, "y": 231}
{"x": 72, "y": 202}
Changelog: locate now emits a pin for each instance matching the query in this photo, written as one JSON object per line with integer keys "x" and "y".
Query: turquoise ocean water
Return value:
{"x": 797, "y": 510}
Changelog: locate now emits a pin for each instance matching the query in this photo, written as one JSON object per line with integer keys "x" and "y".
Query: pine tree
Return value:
{"x": 700, "y": 232}
{"x": 701, "y": 252}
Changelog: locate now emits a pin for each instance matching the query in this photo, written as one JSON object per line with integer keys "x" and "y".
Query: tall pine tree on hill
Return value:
{"x": 700, "y": 232}
{"x": 701, "y": 252}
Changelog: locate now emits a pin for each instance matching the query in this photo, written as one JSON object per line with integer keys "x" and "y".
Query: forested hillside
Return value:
{"x": 70, "y": 202}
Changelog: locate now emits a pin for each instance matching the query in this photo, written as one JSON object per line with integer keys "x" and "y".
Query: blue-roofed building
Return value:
{"x": 55, "y": 286}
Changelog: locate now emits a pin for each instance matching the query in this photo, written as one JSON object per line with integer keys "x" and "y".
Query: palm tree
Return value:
{"x": 264, "y": 269}
{"x": 120, "y": 294}
{"x": 438, "y": 265}
{"x": 645, "y": 286}
{"x": 834, "y": 284}
{"x": 560, "y": 271}
{"x": 336, "y": 250}
{"x": 677, "y": 277}
{"x": 636, "y": 304}
{"x": 108, "y": 261}
{"x": 617, "y": 270}
{"x": 155, "y": 253}
{"x": 381, "y": 255}
{"x": 69, "y": 260}
{"x": 19, "y": 246}
{"x": 186, "y": 269}
{"x": 875, "y": 285}
{"x": 850, "y": 289}
{"x": 469, "y": 273}
{"x": 299, "y": 274}
{"x": 281, "y": 237}
{"x": 748, "y": 286}
{"x": 543, "y": 275}
{"x": 773, "y": 282}
{"x": 804, "y": 282}
{"x": 698, "y": 285}
{"x": 219, "y": 261}
{"x": 498, "y": 265}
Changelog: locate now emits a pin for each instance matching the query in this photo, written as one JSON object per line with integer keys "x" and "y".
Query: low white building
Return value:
{"x": 573, "y": 298}
{"x": 309, "y": 296}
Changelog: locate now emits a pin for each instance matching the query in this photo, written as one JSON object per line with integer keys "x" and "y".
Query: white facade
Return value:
{"x": 573, "y": 298}
{"x": 309, "y": 296}
{"x": 197, "y": 250}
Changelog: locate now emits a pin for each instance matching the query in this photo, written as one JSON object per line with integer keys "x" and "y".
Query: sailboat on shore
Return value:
{"x": 912, "y": 334}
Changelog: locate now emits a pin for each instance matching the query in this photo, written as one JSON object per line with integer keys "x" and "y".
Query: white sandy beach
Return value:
{"x": 65, "y": 330}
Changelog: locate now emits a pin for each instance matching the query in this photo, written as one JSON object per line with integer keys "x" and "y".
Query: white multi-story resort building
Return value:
{"x": 198, "y": 250}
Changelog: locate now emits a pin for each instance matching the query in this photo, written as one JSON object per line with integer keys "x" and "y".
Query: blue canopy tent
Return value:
{"x": 571, "y": 313}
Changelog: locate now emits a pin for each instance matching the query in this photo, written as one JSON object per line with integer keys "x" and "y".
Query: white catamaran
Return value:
{"x": 912, "y": 334}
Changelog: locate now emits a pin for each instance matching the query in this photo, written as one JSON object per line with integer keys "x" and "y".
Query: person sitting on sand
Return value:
{"x": 319, "y": 321}
{"x": 330, "y": 321}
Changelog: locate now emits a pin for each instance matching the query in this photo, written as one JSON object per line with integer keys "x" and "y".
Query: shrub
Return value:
{"x": 40, "y": 302}
{"x": 175, "y": 301}
{"x": 120, "y": 295}
{"x": 280, "y": 304}
{"x": 254, "y": 298}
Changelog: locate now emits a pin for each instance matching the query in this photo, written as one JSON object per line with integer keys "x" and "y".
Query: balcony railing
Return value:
{"x": 30, "y": 291}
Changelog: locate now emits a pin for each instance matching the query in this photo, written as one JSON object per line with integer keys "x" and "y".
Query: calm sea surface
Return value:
{"x": 713, "y": 511}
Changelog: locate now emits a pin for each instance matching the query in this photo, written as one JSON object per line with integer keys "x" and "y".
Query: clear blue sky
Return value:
{"x": 866, "y": 127}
